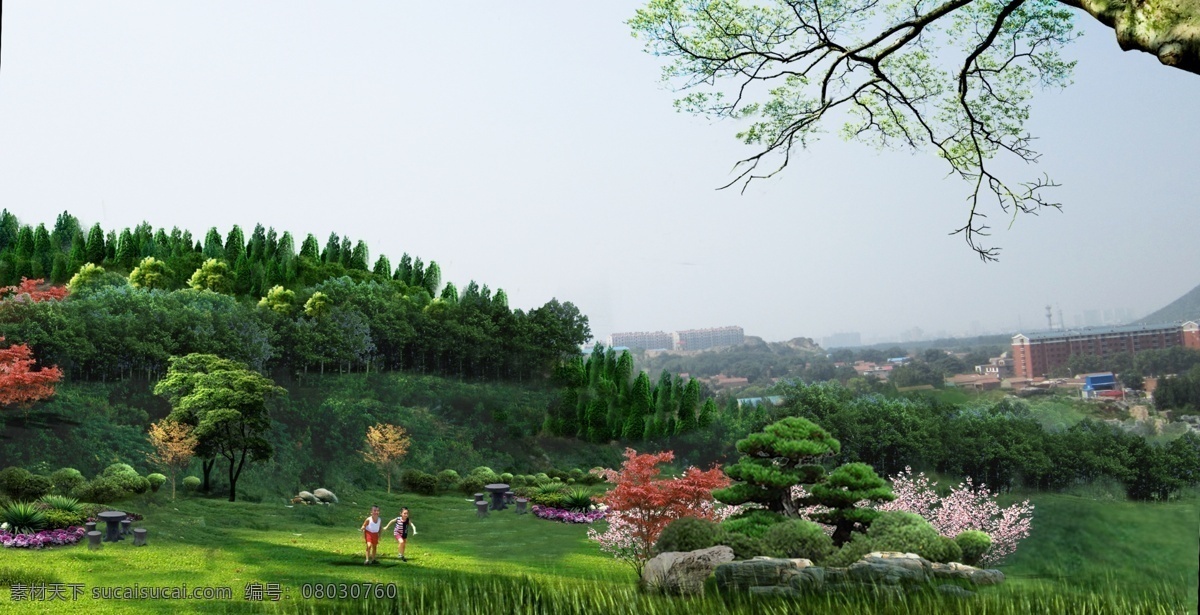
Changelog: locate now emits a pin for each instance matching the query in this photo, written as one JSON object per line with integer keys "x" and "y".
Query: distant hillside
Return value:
{"x": 1186, "y": 307}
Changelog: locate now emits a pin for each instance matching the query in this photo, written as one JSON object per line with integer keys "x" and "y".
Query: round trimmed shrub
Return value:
{"x": 21, "y": 484}
{"x": 486, "y": 475}
{"x": 471, "y": 484}
{"x": 541, "y": 478}
{"x": 744, "y": 547}
{"x": 12, "y": 480}
{"x": 688, "y": 534}
{"x": 118, "y": 469}
{"x": 100, "y": 490}
{"x": 447, "y": 479}
{"x": 798, "y": 538}
{"x": 419, "y": 482}
{"x": 506, "y": 478}
{"x": 859, "y": 545}
{"x": 950, "y": 551}
{"x": 575, "y": 473}
{"x": 909, "y": 533}
{"x": 36, "y": 487}
{"x": 66, "y": 479}
{"x": 156, "y": 480}
{"x": 974, "y": 545}
{"x": 753, "y": 523}
{"x": 191, "y": 484}
{"x": 140, "y": 485}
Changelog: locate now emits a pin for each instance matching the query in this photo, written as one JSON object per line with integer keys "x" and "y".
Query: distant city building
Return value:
{"x": 999, "y": 367}
{"x": 849, "y": 339}
{"x": 657, "y": 340}
{"x": 1037, "y": 354}
{"x": 703, "y": 339}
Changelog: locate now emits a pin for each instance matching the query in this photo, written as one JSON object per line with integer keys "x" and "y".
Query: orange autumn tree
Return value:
{"x": 642, "y": 503}
{"x": 20, "y": 384}
{"x": 33, "y": 290}
{"x": 386, "y": 446}
{"x": 174, "y": 446}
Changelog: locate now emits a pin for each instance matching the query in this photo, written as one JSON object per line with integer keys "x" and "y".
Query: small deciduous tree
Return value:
{"x": 174, "y": 446}
{"x": 642, "y": 504}
{"x": 20, "y": 384}
{"x": 213, "y": 275}
{"x": 150, "y": 274}
{"x": 386, "y": 446}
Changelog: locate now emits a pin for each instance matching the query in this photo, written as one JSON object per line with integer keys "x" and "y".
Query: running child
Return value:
{"x": 370, "y": 529}
{"x": 404, "y": 527}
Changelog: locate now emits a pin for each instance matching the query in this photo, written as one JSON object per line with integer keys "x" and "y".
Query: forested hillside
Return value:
{"x": 136, "y": 300}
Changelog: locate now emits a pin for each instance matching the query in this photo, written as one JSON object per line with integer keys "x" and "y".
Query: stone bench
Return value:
{"x": 94, "y": 540}
{"x": 481, "y": 508}
{"x": 139, "y": 537}
{"x": 521, "y": 506}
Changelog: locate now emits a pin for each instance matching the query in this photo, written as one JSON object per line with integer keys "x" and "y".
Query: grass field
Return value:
{"x": 1084, "y": 556}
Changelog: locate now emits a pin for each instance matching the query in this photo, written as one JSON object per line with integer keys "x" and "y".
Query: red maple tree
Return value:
{"x": 646, "y": 503}
{"x": 19, "y": 383}
{"x": 33, "y": 290}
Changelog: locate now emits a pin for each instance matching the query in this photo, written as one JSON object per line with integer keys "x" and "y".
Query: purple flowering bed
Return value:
{"x": 567, "y": 516}
{"x": 44, "y": 538}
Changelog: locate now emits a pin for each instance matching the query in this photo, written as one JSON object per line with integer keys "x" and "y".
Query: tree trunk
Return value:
{"x": 1169, "y": 29}
{"x": 207, "y": 466}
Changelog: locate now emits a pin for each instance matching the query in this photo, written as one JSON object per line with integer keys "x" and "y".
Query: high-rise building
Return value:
{"x": 703, "y": 339}
{"x": 658, "y": 340}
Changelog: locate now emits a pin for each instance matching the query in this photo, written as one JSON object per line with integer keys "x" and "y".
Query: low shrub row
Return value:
{"x": 760, "y": 532}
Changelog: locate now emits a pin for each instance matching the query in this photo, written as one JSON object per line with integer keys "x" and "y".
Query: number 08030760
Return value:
{"x": 347, "y": 591}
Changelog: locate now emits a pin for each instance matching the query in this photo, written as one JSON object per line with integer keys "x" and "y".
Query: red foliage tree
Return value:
{"x": 33, "y": 290}
{"x": 19, "y": 383}
{"x": 647, "y": 503}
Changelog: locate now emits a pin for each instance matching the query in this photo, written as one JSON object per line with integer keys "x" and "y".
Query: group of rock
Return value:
{"x": 317, "y": 496}
{"x": 885, "y": 573}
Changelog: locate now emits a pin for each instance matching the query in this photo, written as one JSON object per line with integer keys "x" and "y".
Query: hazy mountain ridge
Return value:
{"x": 1186, "y": 307}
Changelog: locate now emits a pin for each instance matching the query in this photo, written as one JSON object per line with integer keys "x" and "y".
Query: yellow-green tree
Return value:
{"x": 174, "y": 446}
{"x": 386, "y": 446}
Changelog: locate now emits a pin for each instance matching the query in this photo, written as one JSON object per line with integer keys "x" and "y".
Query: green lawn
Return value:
{"x": 1083, "y": 554}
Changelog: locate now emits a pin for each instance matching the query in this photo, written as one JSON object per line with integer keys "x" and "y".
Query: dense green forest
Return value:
{"x": 133, "y": 304}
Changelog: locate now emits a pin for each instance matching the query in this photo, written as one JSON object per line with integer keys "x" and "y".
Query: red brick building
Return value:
{"x": 1036, "y": 354}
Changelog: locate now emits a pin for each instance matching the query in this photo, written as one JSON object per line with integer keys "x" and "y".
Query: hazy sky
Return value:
{"x": 531, "y": 146}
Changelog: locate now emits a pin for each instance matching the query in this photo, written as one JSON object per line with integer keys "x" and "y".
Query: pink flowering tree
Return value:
{"x": 966, "y": 507}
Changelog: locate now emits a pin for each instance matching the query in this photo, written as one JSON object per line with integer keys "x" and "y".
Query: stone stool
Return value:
{"x": 139, "y": 537}
{"x": 479, "y": 497}
{"x": 521, "y": 502}
{"x": 94, "y": 540}
{"x": 508, "y": 497}
{"x": 90, "y": 526}
{"x": 126, "y": 525}
{"x": 481, "y": 508}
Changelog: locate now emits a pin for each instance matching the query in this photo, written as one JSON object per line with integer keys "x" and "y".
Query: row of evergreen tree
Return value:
{"x": 601, "y": 400}
{"x": 257, "y": 264}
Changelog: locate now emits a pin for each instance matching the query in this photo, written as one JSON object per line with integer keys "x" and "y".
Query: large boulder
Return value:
{"x": 308, "y": 497}
{"x": 326, "y": 496}
{"x": 891, "y": 568}
{"x": 977, "y": 576}
{"x": 684, "y": 573}
{"x": 757, "y": 572}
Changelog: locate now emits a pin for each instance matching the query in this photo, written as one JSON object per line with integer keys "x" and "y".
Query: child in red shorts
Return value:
{"x": 370, "y": 529}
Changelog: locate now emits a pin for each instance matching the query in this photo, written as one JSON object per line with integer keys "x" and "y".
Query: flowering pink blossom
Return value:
{"x": 567, "y": 516}
{"x": 45, "y": 538}
{"x": 966, "y": 507}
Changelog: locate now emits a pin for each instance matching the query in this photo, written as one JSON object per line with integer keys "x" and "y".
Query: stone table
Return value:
{"x": 497, "y": 490}
{"x": 112, "y": 520}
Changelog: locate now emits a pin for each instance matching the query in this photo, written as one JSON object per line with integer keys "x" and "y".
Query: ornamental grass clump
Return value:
{"x": 23, "y": 517}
